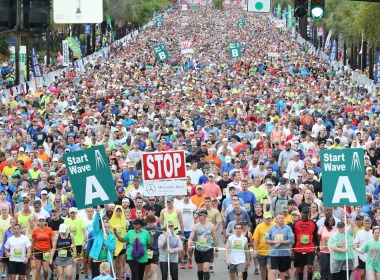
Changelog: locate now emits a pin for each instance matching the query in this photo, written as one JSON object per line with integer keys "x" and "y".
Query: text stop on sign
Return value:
{"x": 164, "y": 166}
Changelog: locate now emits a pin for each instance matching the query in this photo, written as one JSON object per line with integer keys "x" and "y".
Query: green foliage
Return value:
{"x": 217, "y": 4}
{"x": 5, "y": 53}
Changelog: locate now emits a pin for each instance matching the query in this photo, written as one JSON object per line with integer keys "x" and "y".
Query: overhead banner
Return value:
{"x": 36, "y": 64}
{"x": 65, "y": 53}
{"x": 376, "y": 76}
{"x": 78, "y": 11}
{"x": 343, "y": 177}
{"x": 186, "y": 47}
{"x": 90, "y": 177}
{"x": 74, "y": 47}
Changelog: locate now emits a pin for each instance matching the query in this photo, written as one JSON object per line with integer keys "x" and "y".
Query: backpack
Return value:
{"x": 138, "y": 249}
{"x": 4, "y": 71}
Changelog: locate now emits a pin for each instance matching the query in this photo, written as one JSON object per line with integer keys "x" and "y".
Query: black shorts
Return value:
{"x": 361, "y": 264}
{"x": 300, "y": 259}
{"x": 37, "y": 254}
{"x": 282, "y": 264}
{"x": 79, "y": 249}
{"x": 16, "y": 268}
{"x": 204, "y": 256}
{"x": 153, "y": 260}
{"x": 122, "y": 252}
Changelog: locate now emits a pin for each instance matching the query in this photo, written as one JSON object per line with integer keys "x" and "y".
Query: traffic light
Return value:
{"x": 317, "y": 8}
{"x": 37, "y": 15}
{"x": 7, "y": 14}
{"x": 300, "y": 8}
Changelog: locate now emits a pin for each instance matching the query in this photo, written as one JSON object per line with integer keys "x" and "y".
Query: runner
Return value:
{"x": 237, "y": 253}
{"x": 260, "y": 247}
{"x": 200, "y": 239}
{"x": 18, "y": 249}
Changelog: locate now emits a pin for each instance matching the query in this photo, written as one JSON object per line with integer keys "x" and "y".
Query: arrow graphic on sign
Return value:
{"x": 99, "y": 160}
{"x": 356, "y": 162}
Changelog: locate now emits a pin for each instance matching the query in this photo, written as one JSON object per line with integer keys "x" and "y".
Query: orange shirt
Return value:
{"x": 217, "y": 160}
{"x": 42, "y": 238}
{"x": 197, "y": 199}
{"x": 44, "y": 157}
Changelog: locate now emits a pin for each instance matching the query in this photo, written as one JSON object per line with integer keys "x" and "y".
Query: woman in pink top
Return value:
{"x": 325, "y": 233}
{"x": 276, "y": 133}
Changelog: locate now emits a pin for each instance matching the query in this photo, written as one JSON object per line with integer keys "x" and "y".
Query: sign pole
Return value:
{"x": 108, "y": 252}
{"x": 167, "y": 240}
{"x": 346, "y": 240}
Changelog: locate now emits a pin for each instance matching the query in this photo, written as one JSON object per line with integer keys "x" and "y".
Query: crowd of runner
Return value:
{"x": 252, "y": 129}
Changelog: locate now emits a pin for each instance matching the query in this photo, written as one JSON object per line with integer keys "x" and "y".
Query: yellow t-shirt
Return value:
{"x": 4, "y": 225}
{"x": 76, "y": 229}
{"x": 8, "y": 171}
{"x": 259, "y": 234}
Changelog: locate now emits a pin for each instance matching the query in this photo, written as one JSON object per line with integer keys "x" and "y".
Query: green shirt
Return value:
{"x": 145, "y": 239}
{"x": 339, "y": 240}
{"x": 76, "y": 229}
{"x": 372, "y": 247}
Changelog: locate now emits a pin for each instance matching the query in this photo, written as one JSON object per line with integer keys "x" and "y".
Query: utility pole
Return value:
{"x": 18, "y": 42}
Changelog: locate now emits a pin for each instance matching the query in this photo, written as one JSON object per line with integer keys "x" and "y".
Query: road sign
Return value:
{"x": 186, "y": 47}
{"x": 90, "y": 177}
{"x": 235, "y": 49}
{"x": 161, "y": 52}
{"x": 343, "y": 177}
{"x": 87, "y": 29}
{"x": 159, "y": 22}
{"x": 259, "y": 6}
{"x": 241, "y": 22}
{"x": 273, "y": 51}
{"x": 164, "y": 173}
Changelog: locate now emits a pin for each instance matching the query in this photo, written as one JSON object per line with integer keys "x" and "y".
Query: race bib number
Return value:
{"x": 73, "y": 230}
{"x": 279, "y": 237}
{"x": 46, "y": 256}
{"x": 202, "y": 242}
{"x": 224, "y": 191}
{"x": 374, "y": 254}
{"x": 62, "y": 253}
{"x": 17, "y": 252}
{"x": 247, "y": 207}
{"x": 150, "y": 254}
{"x": 305, "y": 239}
{"x": 238, "y": 244}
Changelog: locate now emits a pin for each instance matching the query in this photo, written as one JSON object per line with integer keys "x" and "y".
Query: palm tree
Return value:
{"x": 5, "y": 53}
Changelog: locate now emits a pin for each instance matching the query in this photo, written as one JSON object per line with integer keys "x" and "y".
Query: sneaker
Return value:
{"x": 185, "y": 258}
{"x": 190, "y": 264}
{"x": 317, "y": 276}
{"x": 3, "y": 275}
{"x": 256, "y": 271}
{"x": 182, "y": 266}
{"x": 211, "y": 270}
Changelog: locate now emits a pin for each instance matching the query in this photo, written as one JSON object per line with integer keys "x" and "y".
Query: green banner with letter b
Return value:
{"x": 343, "y": 174}
{"x": 90, "y": 177}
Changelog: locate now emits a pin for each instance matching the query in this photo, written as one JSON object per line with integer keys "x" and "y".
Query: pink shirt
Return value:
{"x": 325, "y": 236}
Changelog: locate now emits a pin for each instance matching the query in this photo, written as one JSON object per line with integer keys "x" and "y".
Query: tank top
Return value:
{"x": 64, "y": 246}
{"x": 23, "y": 220}
{"x": 275, "y": 168}
{"x": 171, "y": 217}
{"x": 203, "y": 237}
{"x": 276, "y": 135}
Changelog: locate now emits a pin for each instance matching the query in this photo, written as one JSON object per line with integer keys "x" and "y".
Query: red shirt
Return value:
{"x": 133, "y": 213}
{"x": 306, "y": 236}
{"x": 42, "y": 238}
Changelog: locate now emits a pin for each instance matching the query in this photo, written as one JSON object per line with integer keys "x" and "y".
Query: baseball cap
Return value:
{"x": 310, "y": 171}
{"x": 228, "y": 159}
{"x": 120, "y": 180}
{"x": 202, "y": 212}
{"x": 368, "y": 168}
{"x": 138, "y": 222}
{"x": 211, "y": 175}
{"x": 37, "y": 203}
{"x": 34, "y": 181}
{"x": 73, "y": 209}
{"x": 305, "y": 210}
{"x": 120, "y": 190}
{"x": 292, "y": 181}
{"x": 63, "y": 228}
{"x": 56, "y": 209}
{"x": 284, "y": 208}
{"x": 59, "y": 186}
{"x": 170, "y": 224}
{"x": 238, "y": 212}
{"x": 42, "y": 218}
{"x": 359, "y": 218}
{"x": 44, "y": 192}
{"x": 340, "y": 225}
{"x": 170, "y": 198}
{"x": 267, "y": 215}
{"x": 297, "y": 213}
{"x": 282, "y": 181}
{"x": 200, "y": 187}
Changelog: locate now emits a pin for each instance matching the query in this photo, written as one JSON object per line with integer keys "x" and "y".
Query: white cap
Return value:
{"x": 21, "y": 149}
{"x": 73, "y": 209}
{"x": 44, "y": 192}
{"x": 228, "y": 159}
{"x": 55, "y": 159}
{"x": 63, "y": 228}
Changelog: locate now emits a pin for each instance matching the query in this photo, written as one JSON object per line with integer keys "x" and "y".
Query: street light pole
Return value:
{"x": 17, "y": 42}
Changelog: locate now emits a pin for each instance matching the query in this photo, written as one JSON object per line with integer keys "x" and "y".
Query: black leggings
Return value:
{"x": 137, "y": 269}
{"x": 340, "y": 275}
{"x": 173, "y": 270}
{"x": 95, "y": 269}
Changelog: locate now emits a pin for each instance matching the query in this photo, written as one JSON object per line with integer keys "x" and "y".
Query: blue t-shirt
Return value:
{"x": 283, "y": 233}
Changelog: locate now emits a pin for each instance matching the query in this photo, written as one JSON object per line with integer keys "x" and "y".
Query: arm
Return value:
{"x": 110, "y": 242}
{"x": 179, "y": 247}
{"x": 73, "y": 246}
{"x": 84, "y": 235}
{"x": 53, "y": 249}
{"x": 180, "y": 219}
{"x": 162, "y": 240}
{"x": 95, "y": 224}
{"x": 118, "y": 237}
{"x": 191, "y": 237}
{"x": 215, "y": 237}
{"x": 226, "y": 251}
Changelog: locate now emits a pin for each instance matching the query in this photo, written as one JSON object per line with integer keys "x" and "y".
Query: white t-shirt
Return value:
{"x": 188, "y": 211}
{"x": 237, "y": 244}
{"x": 236, "y": 185}
{"x": 43, "y": 213}
{"x": 17, "y": 247}
{"x": 361, "y": 237}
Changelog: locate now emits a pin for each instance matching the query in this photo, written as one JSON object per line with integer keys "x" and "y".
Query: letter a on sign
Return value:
{"x": 91, "y": 181}
{"x": 339, "y": 194}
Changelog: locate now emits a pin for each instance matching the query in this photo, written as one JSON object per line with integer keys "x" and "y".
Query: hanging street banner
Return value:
{"x": 343, "y": 177}
{"x": 241, "y": 22}
{"x": 186, "y": 47}
{"x": 273, "y": 51}
{"x": 65, "y": 53}
{"x": 159, "y": 22}
{"x": 164, "y": 173}
{"x": 376, "y": 74}
{"x": 161, "y": 52}
{"x": 235, "y": 49}
{"x": 259, "y": 6}
{"x": 36, "y": 64}
{"x": 90, "y": 177}
{"x": 74, "y": 47}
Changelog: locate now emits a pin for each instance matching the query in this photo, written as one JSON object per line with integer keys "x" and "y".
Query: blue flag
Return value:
{"x": 35, "y": 64}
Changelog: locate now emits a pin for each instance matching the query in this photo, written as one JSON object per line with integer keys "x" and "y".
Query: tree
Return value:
{"x": 5, "y": 53}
